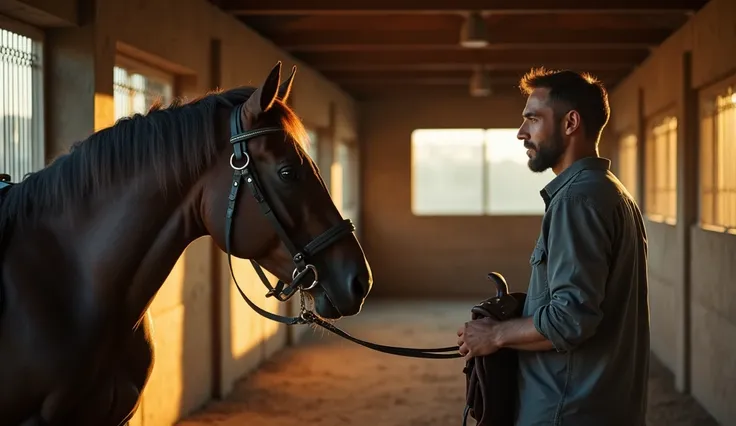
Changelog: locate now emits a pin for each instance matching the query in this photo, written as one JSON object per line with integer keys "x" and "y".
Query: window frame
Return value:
{"x": 486, "y": 193}
{"x": 708, "y": 143}
{"x": 622, "y": 167}
{"x": 652, "y": 122}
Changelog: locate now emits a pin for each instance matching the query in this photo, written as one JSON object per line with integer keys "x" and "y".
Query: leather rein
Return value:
{"x": 246, "y": 172}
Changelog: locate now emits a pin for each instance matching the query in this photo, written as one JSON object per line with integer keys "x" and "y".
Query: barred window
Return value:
{"x": 21, "y": 109}
{"x": 628, "y": 159}
{"x": 661, "y": 171}
{"x": 717, "y": 159}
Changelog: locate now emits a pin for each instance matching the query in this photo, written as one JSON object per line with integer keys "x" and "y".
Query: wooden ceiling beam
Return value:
{"x": 419, "y": 81}
{"x": 450, "y": 75}
{"x": 331, "y": 7}
{"x": 327, "y": 41}
{"x": 364, "y": 93}
{"x": 438, "y": 80}
{"x": 496, "y": 24}
{"x": 494, "y": 59}
{"x": 453, "y": 66}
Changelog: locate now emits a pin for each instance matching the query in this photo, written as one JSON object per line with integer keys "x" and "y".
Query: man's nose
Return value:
{"x": 521, "y": 134}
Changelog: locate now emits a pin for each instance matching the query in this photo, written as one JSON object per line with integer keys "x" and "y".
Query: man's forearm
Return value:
{"x": 521, "y": 334}
{"x": 544, "y": 345}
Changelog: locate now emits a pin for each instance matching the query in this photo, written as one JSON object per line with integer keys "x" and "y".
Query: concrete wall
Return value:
{"x": 444, "y": 256}
{"x": 206, "y": 335}
{"x": 692, "y": 297}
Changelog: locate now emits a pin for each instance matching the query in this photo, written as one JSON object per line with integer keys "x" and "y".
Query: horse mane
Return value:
{"x": 180, "y": 140}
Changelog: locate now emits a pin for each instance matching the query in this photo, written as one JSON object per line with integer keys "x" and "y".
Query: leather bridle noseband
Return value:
{"x": 246, "y": 172}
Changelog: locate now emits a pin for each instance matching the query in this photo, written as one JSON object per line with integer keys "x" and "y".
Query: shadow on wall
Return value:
{"x": 198, "y": 359}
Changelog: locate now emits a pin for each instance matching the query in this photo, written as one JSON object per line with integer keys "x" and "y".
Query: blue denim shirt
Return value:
{"x": 588, "y": 294}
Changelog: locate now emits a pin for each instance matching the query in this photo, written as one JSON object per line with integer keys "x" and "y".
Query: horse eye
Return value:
{"x": 288, "y": 173}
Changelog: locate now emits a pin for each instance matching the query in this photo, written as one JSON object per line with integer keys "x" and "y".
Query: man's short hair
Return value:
{"x": 571, "y": 90}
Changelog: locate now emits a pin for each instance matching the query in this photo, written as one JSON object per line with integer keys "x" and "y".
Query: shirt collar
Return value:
{"x": 586, "y": 163}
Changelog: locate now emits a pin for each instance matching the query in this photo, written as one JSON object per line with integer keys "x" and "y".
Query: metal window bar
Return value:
{"x": 21, "y": 108}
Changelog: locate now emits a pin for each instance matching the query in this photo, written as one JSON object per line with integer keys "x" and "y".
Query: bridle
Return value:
{"x": 246, "y": 172}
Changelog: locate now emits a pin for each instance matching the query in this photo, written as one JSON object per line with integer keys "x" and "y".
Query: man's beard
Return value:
{"x": 547, "y": 154}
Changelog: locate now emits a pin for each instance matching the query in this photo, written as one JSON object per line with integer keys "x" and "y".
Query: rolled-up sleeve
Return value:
{"x": 578, "y": 255}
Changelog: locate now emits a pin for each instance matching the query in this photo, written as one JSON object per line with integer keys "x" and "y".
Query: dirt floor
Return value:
{"x": 327, "y": 381}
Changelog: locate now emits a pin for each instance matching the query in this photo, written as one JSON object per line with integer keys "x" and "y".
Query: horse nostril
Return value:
{"x": 358, "y": 286}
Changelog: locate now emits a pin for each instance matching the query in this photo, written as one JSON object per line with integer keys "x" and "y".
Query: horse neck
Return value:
{"x": 128, "y": 236}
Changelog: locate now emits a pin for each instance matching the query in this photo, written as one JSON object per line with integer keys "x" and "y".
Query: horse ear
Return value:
{"x": 262, "y": 99}
{"x": 285, "y": 88}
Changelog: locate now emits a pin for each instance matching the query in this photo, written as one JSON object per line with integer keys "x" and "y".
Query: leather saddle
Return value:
{"x": 5, "y": 185}
{"x": 491, "y": 381}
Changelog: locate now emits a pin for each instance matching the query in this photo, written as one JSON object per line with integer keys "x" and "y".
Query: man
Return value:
{"x": 583, "y": 339}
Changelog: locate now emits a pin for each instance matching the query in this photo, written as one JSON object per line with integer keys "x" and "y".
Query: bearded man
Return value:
{"x": 583, "y": 338}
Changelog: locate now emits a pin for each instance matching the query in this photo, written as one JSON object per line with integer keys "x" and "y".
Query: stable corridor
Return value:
{"x": 328, "y": 381}
{"x": 412, "y": 111}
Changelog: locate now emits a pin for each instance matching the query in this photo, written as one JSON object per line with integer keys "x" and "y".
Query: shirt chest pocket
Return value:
{"x": 538, "y": 285}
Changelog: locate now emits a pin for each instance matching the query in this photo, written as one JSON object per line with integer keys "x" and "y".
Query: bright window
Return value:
{"x": 661, "y": 171}
{"x": 344, "y": 175}
{"x": 137, "y": 86}
{"x": 312, "y": 146}
{"x": 717, "y": 160}
{"x": 628, "y": 173}
{"x": 473, "y": 172}
{"x": 21, "y": 108}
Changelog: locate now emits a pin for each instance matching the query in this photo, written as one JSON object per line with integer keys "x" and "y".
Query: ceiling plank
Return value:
{"x": 389, "y": 23}
{"x": 363, "y": 93}
{"x": 419, "y": 81}
{"x": 514, "y": 75}
{"x": 495, "y": 59}
{"x": 331, "y": 7}
{"x": 450, "y": 66}
{"x": 327, "y": 41}
{"x": 437, "y": 80}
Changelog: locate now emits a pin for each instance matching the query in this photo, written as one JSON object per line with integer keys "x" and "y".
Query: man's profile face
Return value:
{"x": 541, "y": 132}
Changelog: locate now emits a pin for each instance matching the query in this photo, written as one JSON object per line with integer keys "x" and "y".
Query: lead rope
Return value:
{"x": 309, "y": 317}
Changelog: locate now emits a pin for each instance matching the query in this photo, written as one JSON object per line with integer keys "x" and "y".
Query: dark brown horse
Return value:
{"x": 88, "y": 241}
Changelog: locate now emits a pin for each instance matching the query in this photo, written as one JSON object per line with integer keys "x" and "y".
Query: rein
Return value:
{"x": 282, "y": 291}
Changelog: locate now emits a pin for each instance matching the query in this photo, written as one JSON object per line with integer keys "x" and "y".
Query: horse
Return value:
{"x": 87, "y": 242}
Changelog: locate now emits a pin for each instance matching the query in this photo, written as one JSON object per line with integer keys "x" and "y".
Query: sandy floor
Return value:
{"x": 327, "y": 381}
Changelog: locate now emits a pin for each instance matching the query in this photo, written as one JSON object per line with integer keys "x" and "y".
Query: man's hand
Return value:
{"x": 478, "y": 338}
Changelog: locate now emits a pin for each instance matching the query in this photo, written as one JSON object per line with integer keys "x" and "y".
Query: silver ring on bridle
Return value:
{"x": 297, "y": 274}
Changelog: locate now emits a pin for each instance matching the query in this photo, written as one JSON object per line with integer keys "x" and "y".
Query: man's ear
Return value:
{"x": 572, "y": 122}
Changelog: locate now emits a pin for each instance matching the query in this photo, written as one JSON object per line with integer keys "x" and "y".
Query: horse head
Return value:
{"x": 264, "y": 199}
